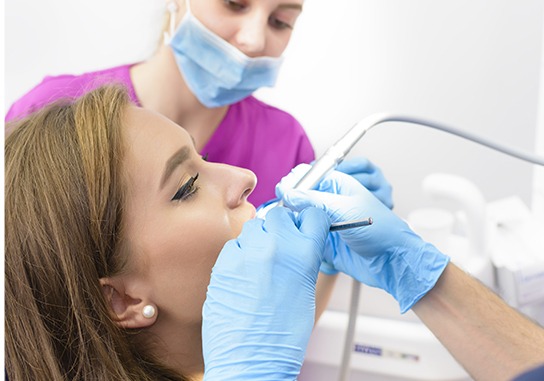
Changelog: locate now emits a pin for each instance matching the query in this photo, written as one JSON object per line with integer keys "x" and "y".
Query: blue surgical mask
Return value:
{"x": 216, "y": 72}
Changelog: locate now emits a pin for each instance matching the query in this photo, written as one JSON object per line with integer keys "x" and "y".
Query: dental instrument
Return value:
{"x": 350, "y": 224}
{"x": 338, "y": 151}
{"x": 336, "y": 154}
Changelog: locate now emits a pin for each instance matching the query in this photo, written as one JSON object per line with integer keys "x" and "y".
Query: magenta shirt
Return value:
{"x": 252, "y": 135}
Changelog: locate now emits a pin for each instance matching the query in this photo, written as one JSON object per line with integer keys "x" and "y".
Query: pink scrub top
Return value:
{"x": 252, "y": 135}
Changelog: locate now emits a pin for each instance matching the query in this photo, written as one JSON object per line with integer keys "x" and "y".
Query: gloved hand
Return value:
{"x": 370, "y": 176}
{"x": 386, "y": 254}
{"x": 260, "y": 306}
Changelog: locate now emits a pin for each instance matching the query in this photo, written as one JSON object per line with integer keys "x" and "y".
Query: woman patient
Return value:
{"x": 113, "y": 223}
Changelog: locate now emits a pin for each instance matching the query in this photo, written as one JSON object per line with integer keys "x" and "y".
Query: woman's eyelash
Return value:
{"x": 205, "y": 157}
{"x": 186, "y": 190}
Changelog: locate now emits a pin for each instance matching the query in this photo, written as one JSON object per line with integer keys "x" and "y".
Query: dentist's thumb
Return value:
{"x": 299, "y": 200}
{"x": 314, "y": 223}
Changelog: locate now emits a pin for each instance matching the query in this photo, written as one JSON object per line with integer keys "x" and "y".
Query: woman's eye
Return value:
{"x": 234, "y": 5}
{"x": 186, "y": 190}
{"x": 205, "y": 157}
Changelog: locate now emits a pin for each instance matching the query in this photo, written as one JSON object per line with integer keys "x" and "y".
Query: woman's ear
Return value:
{"x": 129, "y": 311}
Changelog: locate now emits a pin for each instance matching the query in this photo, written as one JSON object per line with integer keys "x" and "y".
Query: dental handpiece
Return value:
{"x": 338, "y": 151}
{"x": 330, "y": 159}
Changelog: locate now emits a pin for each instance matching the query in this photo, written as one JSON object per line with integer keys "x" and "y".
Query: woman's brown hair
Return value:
{"x": 63, "y": 219}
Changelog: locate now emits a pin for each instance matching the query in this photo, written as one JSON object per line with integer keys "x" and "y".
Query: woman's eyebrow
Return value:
{"x": 175, "y": 160}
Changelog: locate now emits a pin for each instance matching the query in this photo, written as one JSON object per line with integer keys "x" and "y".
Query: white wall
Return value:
{"x": 473, "y": 64}
{"x": 538, "y": 182}
{"x": 48, "y": 37}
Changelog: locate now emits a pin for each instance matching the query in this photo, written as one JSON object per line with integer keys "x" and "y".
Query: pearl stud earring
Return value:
{"x": 148, "y": 311}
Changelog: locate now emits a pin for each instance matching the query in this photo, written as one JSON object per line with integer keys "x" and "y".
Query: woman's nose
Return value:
{"x": 251, "y": 36}
{"x": 241, "y": 183}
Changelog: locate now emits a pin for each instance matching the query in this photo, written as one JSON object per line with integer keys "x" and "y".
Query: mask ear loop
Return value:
{"x": 172, "y": 9}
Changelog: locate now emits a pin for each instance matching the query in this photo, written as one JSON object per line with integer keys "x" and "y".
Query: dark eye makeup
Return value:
{"x": 186, "y": 190}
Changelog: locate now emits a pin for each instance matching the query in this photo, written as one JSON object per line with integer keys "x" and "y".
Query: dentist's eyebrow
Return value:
{"x": 291, "y": 6}
{"x": 175, "y": 161}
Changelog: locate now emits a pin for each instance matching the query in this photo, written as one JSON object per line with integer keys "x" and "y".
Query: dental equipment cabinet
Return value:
{"x": 381, "y": 344}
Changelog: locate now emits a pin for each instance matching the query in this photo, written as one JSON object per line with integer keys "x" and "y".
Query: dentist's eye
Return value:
{"x": 234, "y": 5}
{"x": 186, "y": 190}
{"x": 279, "y": 24}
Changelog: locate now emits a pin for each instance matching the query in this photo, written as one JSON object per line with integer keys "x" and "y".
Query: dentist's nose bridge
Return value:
{"x": 251, "y": 35}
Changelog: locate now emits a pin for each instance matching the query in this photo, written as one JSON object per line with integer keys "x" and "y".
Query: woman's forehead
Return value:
{"x": 140, "y": 121}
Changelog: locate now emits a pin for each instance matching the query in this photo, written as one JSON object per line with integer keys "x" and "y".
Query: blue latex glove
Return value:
{"x": 366, "y": 173}
{"x": 386, "y": 254}
{"x": 370, "y": 176}
{"x": 260, "y": 306}
{"x": 288, "y": 182}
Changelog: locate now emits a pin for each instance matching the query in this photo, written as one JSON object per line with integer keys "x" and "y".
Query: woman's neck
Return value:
{"x": 179, "y": 347}
{"x": 160, "y": 87}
